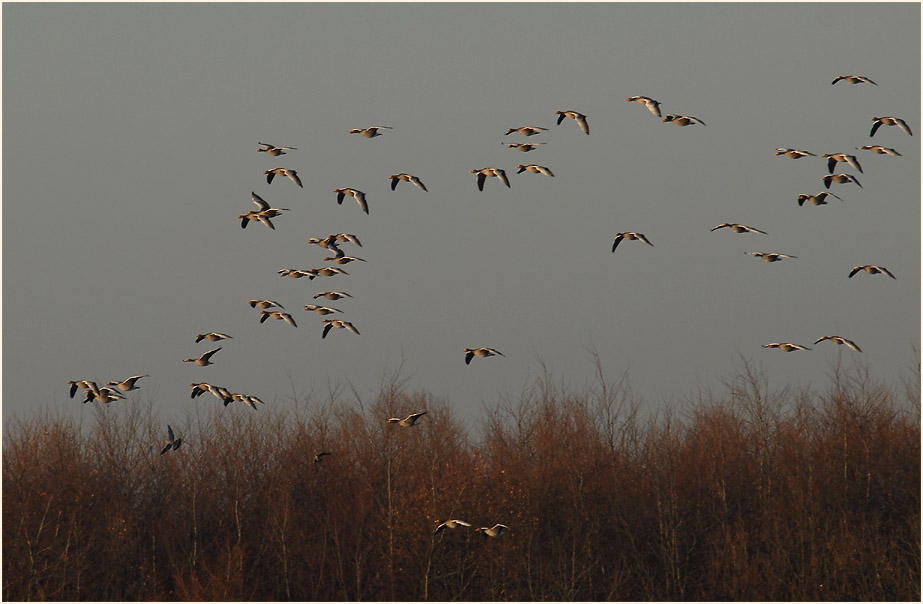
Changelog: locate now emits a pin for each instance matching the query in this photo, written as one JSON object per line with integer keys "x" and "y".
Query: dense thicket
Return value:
{"x": 750, "y": 494}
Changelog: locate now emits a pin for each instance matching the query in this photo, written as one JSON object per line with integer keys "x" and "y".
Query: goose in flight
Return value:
{"x": 344, "y": 259}
{"x": 212, "y": 336}
{"x": 880, "y": 150}
{"x": 652, "y": 105}
{"x": 840, "y": 178}
{"x": 264, "y": 304}
{"x": 451, "y": 524}
{"x": 483, "y": 173}
{"x": 523, "y": 146}
{"x": 77, "y": 384}
{"x": 291, "y": 174}
{"x": 496, "y": 530}
{"x": 576, "y": 116}
{"x": 738, "y": 228}
{"x": 371, "y": 131}
{"x": 204, "y": 360}
{"x": 356, "y": 194}
{"x": 535, "y": 168}
{"x": 101, "y": 395}
{"x": 318, "y": 458}
{"x": 872, "y": 270}
{"x": 786, "y": 346}
{"x": 273, "y": 150}
{"x": 470, "y": 353}
{"x": 275, "y": 314}
{"x": 331, "y": 323}
{"x": 327, "y": 271}
{"x": 631, "y": 237}
{"x": 172, "y": 441}
{"x": 345, "y": 237}
{"x": 770, "y": 256}
{"x": 526, "y": 130}
{"x": 203, "y": 387}
{"x": 793, "y": 153}
{"x": 852, "y": 79}
{"x": 248, "y": 400}
{"x": 128, "y": 384}
{"x": 889, "y": 121}
{"x": 833, "y": 158}
{"x": 396, "y": 178}
{"x": 408, "y": 421}
{"x": 817, "y": 200}
{"x": 332, "y": 295}
{"x": 322, "y": 310}
{"x": 682, "y": 120}
{"x": 849, "y": 343}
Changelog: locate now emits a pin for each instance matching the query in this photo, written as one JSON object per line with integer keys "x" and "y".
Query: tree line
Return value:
{"x": 753, "y": 493}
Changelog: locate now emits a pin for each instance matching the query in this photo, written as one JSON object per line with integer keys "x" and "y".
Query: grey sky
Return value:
{"x": 130, "y": 136}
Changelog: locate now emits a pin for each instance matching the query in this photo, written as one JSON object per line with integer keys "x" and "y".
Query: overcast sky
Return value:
{"x": 130, "y": 135}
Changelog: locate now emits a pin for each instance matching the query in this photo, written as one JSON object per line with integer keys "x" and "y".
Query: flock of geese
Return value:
{"x": 833, "y": 159}
{"x": 271, "y": 309}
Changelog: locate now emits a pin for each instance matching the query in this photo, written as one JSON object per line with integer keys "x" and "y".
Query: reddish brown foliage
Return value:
{"x": 754, "y": 495}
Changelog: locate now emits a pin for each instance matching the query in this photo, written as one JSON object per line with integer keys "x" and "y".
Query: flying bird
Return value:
{"x": 204, "y": 360}
{"x": 833, "y": 158}
{"x": 889, "y": 121}
{"x": 332, "y": 295}
{"x": 470, "y": 353}
{"x": 101, "y": 395}
{"x": 770, "y": 256}
{"x": 408, "y": 421}
{"x": 331, "y": 323}
{"x": 370, "y": 132}
{"x": 853, "y": 79}
{"x": 496, "y": 530}
{"x": 318, "y": 458}
{"x": 273, "y": 150}
{"x": 345, "y": 237}
{"x": 483, "y": 173}
{"x": 264, "y": 304}
{"x": 537, "y": 169}
{"x": 396, "y": 178}
{"x": 322, "y": 310}
{"x": 880, "y": 150}
{"x": 128, "y": 384}
{"x": 291, "y": 174}
{"x": 172, "y": 442}
{"x": 203, "y": 387}
{"x": 872, "y": 270}
{"x": 652, "y": 105}
{"x": 275, "y": 314}
{"x": 526, "y": 130}
{"x": 738, "y": 228}
{"x": 631, "y": 237}
{"x": 793, "y": 153}
{"x": 211, "y": 336}
{"x": 840, "y": 178}
{"x": 356, "y": 194}
{"x": 576, "y": 116}
{"x": 343, "y": 259}
{"x": 77, "y": 384}
{"x": 327, "y": 271}
{"x": 263, "y": 214}
{"x": 451, "y": 524}
{"x": 523, "y": 146}
{"x": 849, "y": 343}
{"x": 818, "y": 200}
{"x": 682, "y": 120}
{"x": 786, "y": 346}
